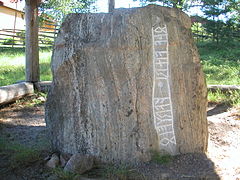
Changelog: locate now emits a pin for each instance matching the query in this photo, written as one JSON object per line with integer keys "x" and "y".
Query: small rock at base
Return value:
{"x": 63, "y": 160}
{"x": 53, "y": 162}
{"x": 165, "y": 175}
{"x": 79, "y": 163}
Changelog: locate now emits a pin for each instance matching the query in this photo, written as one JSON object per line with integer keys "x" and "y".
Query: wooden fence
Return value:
{"x": 16, "y": 37}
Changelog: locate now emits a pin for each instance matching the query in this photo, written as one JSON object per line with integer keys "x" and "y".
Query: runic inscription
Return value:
{"x": 162, "y": 104}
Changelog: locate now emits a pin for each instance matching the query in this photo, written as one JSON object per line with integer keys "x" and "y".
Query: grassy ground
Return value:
{"x": 12, "y": 65}
{"x": 221, "y": 63}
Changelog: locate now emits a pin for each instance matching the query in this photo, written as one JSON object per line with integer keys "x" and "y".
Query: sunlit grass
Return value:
{"x": 12, "y": 65}
{"x": 221, "y": 63}
{"x": 231, "y": 97}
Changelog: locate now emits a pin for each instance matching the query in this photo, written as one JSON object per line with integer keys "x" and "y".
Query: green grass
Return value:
{"x": 121, "y": 172}
{"x": 63, "y": 175}
{"x": 18, "y": 155}
{"x": 114, "y": 171}
{"x": 160, "y": 158}
{"x": 231, "y": 98}
{"x": 33, "y": 100}
{"x": 12, "y": 65}
{"x": 102, "y": 171}
{"x": 221, "y": 63}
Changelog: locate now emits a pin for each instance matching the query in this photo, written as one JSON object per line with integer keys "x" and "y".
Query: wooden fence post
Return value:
{"x": 32, "y": 49}
{"x": 111, "y": 5}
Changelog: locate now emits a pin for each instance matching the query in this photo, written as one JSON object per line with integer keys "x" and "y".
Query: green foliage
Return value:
{"x": 215, "y": 8}
{"x": 161, "y": 158}
{"x": 114, "y": 171}
{"x": 19, "y": 155}
{"x": 121, "y": 172}
{"x": 231, "y": 98}
{"x": 8, "y": 41}
{"x": 58, "y": 9}
{"x": 21, "y": 35}
{"x": 3, "y": 144}
{"x": 63, "y": 175}
{"x": 212, "y": 21}
{"x": 105, "y": 171}
{"x": 46, "y": 40}
{"x": 33, "y": 100}
{"x": 180, "y": 4}
{"x": 221, "y": 30}
{"x": 221, "y": 63}
{"x": 23, "y": 156}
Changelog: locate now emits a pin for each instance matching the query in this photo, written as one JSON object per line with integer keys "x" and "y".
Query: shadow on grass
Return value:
{"x": 23, "y": 142}
{"x": 21, "y": 161}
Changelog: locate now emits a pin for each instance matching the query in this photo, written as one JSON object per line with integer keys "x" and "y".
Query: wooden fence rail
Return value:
{"x": 16, "y": 37}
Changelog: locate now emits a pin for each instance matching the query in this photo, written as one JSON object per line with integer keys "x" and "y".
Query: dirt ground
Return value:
{"x": 224, "y": 141}
{"x": 24, "y": 123}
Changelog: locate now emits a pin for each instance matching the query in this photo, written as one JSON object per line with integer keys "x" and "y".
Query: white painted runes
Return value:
{"x": 161, "y": 102}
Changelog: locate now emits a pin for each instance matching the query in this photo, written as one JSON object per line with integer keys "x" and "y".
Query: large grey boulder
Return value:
{"x": 125, "y": 84}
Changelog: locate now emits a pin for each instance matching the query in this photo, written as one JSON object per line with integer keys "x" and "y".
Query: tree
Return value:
{"x": 180, "y": 4}
{"x": 214, "y": 13}
{"x": 213, "y": 10}
{"x": 58, "y": 9}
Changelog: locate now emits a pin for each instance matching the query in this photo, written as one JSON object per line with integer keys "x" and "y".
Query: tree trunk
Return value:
{"x": 32, "y": 49}
{"x": 111, "y": 5}
{"x": 126, "y": 84}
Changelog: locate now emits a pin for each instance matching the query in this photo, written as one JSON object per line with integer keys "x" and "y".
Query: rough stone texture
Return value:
{"x": 127, "y": 83}
{"x": 79, "y": 163}
{"x": 53, "y": 162}
{"x": 64, "y": 159}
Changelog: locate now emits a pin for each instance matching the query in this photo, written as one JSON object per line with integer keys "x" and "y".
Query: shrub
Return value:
{"x": 8, "y": 41}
